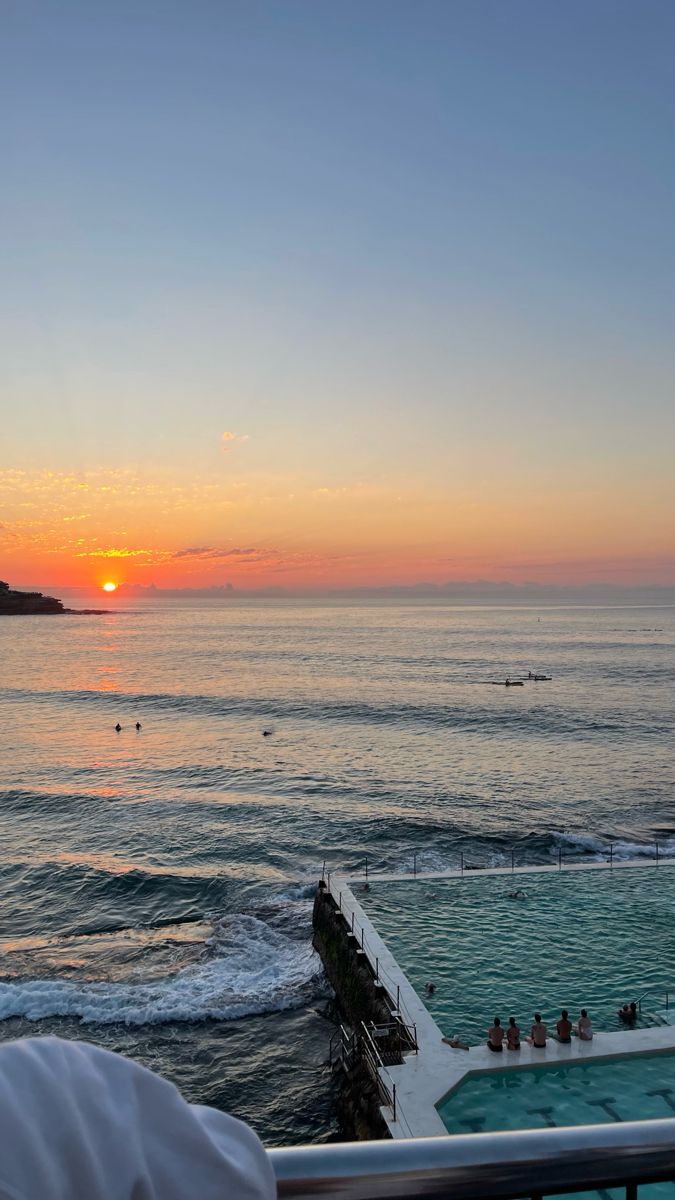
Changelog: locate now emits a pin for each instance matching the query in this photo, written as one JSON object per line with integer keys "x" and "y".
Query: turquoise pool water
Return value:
{"x": 635, "y": 1088}
{"x": 588, "y": 938}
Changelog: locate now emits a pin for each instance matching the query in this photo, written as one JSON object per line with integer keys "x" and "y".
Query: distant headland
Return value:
{"x": 18, "y": 604}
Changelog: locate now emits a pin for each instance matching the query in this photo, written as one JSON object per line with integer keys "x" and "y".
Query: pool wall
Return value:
{"x": 425, "y": 1079}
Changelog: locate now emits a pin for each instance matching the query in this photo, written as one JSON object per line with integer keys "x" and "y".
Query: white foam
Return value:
{"x": 590, "y": 844}
{"x": 254, "y": 969}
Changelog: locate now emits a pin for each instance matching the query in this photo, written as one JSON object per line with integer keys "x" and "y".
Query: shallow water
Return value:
{"x": 155, "y": 886}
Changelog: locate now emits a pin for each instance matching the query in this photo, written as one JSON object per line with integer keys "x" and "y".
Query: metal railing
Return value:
{"x": 483, "y": 1166}
{"x": 377, "y": 1070}
{"x": 342, "y": 1048}
{"x": 461, "y": 864}
{"x": 655, "y": 993}
{"x": 390, "y": 987}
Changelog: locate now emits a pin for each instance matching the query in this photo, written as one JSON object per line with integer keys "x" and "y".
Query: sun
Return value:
{"x": 109, "y": 587}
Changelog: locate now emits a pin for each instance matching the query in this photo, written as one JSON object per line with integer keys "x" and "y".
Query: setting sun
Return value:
{"x": 109, "y": 587}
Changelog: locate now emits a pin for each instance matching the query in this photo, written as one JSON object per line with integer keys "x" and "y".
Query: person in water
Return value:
{"x": 564, "y": 1027}
{"x": 430, "y": 988}
{"x": 118, "y": 728}
{"x": 628, "y": 1014}
{"x": 455, "y": 1043}
{"x": 495, "y": 1036}
{"x": 512, "y": 1035}
{"x": 584, "y": 1027}
{"x": 138, "y": 726}
{"x": 537, "y": 1033}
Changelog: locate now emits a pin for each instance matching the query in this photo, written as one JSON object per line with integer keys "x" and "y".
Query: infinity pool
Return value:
{"x": 587, "y": 938}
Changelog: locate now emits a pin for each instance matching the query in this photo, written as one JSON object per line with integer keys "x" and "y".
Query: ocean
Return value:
{"x": 156, "y": 885}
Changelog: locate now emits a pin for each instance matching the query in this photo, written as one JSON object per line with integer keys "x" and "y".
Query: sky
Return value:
{"x": 315, "y": 295}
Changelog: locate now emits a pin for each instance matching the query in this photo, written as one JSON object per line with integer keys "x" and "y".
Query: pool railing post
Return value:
{"x": 377, "y": 970}
{"x": 352, "y": 922}
{"x": 560, "y": 858}
{"x": 657, "y": 854}
{"x": 398, "y": 997}
{"x": 611, "y": 854}
{"x": 366, "y": 866}
{"x": 340, "y": 901}
{"x": 394, "y": 1101}
{"x": 362, "y": 939}
{"x": 513, "y": 861}
{"x": 461, "y": 862}
{"x": 323, "y": 870}
{"x": 414, "y": 862}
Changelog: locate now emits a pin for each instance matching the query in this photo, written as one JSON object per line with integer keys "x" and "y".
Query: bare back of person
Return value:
{"x": 538, "y": 1034}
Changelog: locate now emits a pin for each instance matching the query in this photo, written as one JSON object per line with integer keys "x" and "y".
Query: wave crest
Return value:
{"x": 251, "y": 968}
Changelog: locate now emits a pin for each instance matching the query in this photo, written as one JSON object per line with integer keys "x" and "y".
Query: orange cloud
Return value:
{"x": 228, "y": 439}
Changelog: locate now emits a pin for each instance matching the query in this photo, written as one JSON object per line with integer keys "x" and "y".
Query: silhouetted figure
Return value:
{"x": 118, "y": 728}
{"x": 628, "y": 1014}
{"x": 267, "y": 732}
{"x": 138, "y": 726}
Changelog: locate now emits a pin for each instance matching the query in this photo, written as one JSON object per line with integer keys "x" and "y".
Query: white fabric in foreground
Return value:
{"x": 80, "y": 1123}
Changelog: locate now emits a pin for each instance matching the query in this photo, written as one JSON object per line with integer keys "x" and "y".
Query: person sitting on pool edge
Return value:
{"x": 512, "y": 1035}
{"x": 563, "y": 1027}
{"x": 538, "y": 1031}
{"x": 496, "y": 1036}
{"x": 584, "y": 1027}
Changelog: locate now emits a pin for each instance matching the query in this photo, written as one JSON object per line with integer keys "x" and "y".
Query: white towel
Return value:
{"x": 80, "y": 1123}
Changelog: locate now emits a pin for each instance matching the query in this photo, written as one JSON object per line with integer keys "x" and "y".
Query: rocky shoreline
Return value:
{"x": 18, "y": 604}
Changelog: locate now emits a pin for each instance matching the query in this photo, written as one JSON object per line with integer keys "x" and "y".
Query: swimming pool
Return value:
{"x": 637, "y": 1087}
{"x": 586, "y": 938}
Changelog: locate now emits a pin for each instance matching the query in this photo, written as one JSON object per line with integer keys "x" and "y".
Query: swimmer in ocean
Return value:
{"x": 118, "y": 728}
{"x": 138, "y": 726}
{"x": 519, "y": 894}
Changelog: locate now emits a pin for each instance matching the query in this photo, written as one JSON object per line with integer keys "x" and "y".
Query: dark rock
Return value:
{"x": 21, "y": 603}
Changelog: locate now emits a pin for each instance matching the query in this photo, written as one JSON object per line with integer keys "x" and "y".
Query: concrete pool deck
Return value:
{"x": 424, "y": 1079}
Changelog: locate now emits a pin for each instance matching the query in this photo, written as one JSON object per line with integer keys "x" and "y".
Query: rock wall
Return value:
{"x": 360, "y": 998}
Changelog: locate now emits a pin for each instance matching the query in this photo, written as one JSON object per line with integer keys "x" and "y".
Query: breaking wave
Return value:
{"x": 250, "y": 968}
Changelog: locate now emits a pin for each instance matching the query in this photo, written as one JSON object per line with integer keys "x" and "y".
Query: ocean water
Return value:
{"x": 155, "y": 886}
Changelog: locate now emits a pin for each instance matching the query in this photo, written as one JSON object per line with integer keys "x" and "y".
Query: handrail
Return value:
{"x": 499, "y": 1166}
{"x": 379, "y": 971}
{"x": 655, "y": 990}
{"x": 376, "y": 1066}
